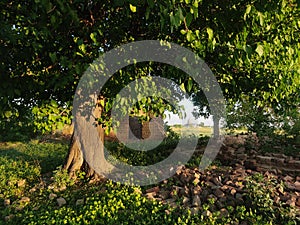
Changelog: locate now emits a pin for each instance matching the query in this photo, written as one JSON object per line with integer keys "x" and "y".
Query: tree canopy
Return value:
{"x": 253, "y": 48}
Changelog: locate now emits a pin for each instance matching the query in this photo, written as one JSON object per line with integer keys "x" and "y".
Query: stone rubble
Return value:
{"x": 52, "y": 196}
{"x": 225, "y": 186}
{"x": 61, "y": 201}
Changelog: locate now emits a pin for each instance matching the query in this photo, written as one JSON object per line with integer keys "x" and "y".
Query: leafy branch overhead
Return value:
{"x": 251, "y": 46}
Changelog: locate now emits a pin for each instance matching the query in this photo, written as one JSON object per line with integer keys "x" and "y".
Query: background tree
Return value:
{"x": 254, "y": 52}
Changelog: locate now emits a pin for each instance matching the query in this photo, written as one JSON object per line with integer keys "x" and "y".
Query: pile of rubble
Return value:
{"x": 234, "y": 151}
{"x": 225, "y": 185}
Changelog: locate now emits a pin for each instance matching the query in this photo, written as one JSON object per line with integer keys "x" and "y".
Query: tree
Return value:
{"x": 251, "y": 46}
{"x": 50, "y": 44}
{"x": 254, "y": 52}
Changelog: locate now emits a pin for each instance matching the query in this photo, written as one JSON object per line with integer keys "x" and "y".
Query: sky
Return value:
{"x": 188, "y": 108}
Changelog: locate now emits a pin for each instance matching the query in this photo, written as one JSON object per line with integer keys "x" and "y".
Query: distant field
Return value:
{"x": 205, "y": 131}
{"x": 187, "y": 131}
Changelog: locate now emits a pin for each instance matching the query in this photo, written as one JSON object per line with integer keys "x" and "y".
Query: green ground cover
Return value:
{"x": 25, "y": 181}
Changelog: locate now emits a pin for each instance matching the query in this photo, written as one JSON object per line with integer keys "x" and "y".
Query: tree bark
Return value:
{"x": 77, "y": 159}
{"x": 74, "y": 160}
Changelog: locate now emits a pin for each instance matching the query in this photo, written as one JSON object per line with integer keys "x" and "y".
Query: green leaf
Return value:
{"x": 210, "y": 33}
{"x": 189, "y": 84}
{"x": 248, "y": 9}
{"x": 177, "y": 18}
{"x": 147, "y": 13}
{"x": 8, "y": 114}
{"x": 183, "y": 32}
{"x": 182, "y": 87}
{"x": 188, "y": 19}
{"x": 132, "y": 8}
{"x": 194, "y": 11}
{"x": 55, "y": 110}
{"x": 195, "y": 4}
{"x": 52, "y": 56}
{"x": 93, "y": 37}
{"x": 101, "y": 102}
{"x": 261, "y": 18}
{"x": 180, "y": 13}
{"x": 82, "y": 48}
{"x": 260, "y": 50}
{"x": 247, "y": 49}
{"x": 53, "y": 103}
{"x": 190, "y": 36}
{"x": 172, "y": 19}
{"x": 161, "y": 110}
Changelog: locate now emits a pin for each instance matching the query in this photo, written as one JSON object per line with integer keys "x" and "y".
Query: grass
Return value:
{"x": 104, "y": 203}
{"x": 47, "y": 156}
{"x": 25, "y": 163}
{"x": 188, "y": 131}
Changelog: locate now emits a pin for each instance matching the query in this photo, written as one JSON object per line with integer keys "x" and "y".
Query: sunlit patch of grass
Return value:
{"x": 21, "y": 164}
{"x": 186, "y": 131}
{"x": 47, "y": 155}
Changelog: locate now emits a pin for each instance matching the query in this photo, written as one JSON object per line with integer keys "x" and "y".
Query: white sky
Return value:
{"x": 188, "y": 106}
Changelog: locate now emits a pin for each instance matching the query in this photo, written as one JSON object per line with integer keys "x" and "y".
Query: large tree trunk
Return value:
{"x": 77, "y": 159}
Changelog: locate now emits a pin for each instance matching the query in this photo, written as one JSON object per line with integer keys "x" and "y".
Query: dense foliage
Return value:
{"x": 251, "y": 46}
